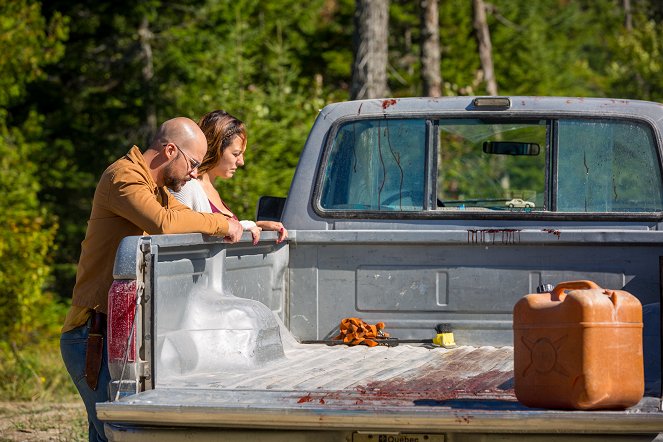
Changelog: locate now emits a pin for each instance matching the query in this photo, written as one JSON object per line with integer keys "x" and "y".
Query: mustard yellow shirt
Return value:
{"x": 127, "y": 202}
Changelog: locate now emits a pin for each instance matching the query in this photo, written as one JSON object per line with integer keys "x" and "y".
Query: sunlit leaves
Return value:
{"x": 636, "y": 70}
{"x": 27, "y": 42}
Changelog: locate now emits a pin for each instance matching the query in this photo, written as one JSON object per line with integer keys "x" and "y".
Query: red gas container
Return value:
{"x": 578, "y": 347}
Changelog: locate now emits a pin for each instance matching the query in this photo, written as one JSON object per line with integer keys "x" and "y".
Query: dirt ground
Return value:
{"x": 38, "y": 421}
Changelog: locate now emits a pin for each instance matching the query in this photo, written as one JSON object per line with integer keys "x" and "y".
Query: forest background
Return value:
{"x": 81, "y": 82}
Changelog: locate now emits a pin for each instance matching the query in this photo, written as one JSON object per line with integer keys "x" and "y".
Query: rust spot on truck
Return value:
{"x": 306, "y": 398}
{"x": 387, "y": 103}
{"x": 504, "y": 236}
{"x": 557, "y": 233}
{"x": 463, "y": 419}
{"x": 575, "y": 100}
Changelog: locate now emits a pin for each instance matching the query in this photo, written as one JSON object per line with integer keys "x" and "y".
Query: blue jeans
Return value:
{"x": 73, "y": 345}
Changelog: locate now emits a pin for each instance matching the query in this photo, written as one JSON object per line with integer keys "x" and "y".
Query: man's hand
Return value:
{"x": 235, "y": 231}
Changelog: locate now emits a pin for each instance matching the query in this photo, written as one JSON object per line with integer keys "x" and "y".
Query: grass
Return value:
{"x": 40, "y": 401}
{"x": 31, "y": 421}
{"x": 34, "y": 373}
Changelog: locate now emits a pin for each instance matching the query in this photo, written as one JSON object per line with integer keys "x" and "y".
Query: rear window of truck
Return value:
{"x": 571, "y": 166}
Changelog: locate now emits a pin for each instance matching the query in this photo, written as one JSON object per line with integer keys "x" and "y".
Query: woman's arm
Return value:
{"x": 275, "y": 226}
{"x": 193, "y": 195}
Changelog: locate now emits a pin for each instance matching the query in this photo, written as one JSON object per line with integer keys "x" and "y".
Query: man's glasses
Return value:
{"x": 193, "y": 163}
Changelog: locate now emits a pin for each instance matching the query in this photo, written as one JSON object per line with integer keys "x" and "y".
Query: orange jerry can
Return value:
{"x": 578, "y": 347}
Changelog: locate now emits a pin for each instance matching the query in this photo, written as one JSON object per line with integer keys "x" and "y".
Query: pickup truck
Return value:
{"x": 399, "y": 212}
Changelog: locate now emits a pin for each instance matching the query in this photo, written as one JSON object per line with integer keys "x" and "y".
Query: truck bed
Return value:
{"x": 417, "y": 387}
{"x": 342, "y": 375}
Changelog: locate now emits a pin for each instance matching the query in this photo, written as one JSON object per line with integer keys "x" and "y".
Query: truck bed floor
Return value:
{"x": 395, "y": 375}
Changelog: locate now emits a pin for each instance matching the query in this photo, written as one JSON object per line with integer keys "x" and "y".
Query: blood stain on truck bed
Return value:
{"x": 453, "y": 378}
{"x": 467, "y": 377}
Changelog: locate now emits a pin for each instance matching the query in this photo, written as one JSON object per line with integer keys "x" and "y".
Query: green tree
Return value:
{"x": 637, "y": 67}
{"x": 551, "y": 47}
{"x": 27, "y": 42}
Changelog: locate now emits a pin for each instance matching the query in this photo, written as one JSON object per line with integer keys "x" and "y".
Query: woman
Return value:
{"x": 226, "y": 143}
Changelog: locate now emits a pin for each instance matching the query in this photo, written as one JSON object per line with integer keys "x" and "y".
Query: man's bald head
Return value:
{"x": 183, "y": 132}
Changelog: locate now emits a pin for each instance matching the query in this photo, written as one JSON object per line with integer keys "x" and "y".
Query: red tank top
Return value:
{"x": 216, "y": 210}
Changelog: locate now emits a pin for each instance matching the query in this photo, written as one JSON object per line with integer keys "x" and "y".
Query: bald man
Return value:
{"x": 131, "y": 199}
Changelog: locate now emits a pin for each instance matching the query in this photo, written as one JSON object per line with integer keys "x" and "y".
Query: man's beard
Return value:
{"x": 171, "y": 181}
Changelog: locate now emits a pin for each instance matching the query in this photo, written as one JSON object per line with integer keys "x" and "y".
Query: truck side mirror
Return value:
{"x": 270, "y": 208}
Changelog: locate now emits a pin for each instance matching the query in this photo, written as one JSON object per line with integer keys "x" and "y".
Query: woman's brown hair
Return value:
{"x": 220, "y": 129}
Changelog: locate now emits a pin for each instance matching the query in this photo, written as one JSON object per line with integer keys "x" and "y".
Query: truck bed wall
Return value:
{"x": 411, "y": 280}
